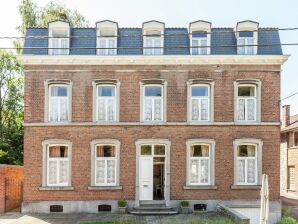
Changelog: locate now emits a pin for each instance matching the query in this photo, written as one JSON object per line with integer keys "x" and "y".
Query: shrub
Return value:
{"x": 122, "y": 203}
{"x": 288, "y": 220}
{"x": 285, "y": 212}
{"x": 184, "y": 203}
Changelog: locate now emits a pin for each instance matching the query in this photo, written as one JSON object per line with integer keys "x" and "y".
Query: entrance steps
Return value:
{"x": 153, "y": 208}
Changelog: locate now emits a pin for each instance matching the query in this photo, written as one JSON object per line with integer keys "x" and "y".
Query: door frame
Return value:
{"x": 167, "y": 182}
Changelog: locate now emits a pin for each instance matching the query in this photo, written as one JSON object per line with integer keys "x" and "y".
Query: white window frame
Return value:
{"x": 199, "y": 99}
{"x": 58, "y": 26}
{"x": 247, "y": 26}
{"x": 149, "y": 27}
{"x": 45, "y": 161}
{"x": 245, "y": 45}
{"x": 106, "y": 25}
{"x": 106, "y": 98}
{"x": 59, "y": 104}
{"x": 246, "y": 98}
{"x": 143, "y": 98}
{"x": 257, "y": 85}
{"x": 94, "y": 158}
{"x": 259, "y": 145}
{"x": 200, "y": 26}
{"x": 200, "y": 46}
{"x": 211, "y": 143}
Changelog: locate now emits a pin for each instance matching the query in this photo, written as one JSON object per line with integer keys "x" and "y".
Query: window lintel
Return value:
{"x": 105, "y": 81}
{"x": 200, "y": 81}
{"x": 153, "y": 81}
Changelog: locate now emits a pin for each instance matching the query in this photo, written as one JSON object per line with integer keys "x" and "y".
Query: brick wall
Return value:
{"x": 11, "y": 172}
{"x": 129, "y": 77}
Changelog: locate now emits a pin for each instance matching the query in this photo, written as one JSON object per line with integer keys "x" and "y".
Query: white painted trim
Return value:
{"x": 152, "y": 59}
{"x": 45, "y": 145}
{"x": 249, "y": 141}
{"x": 200, "y": 26}
{"x": 248, "y": 26}
{"x": 58, "y": 25}
{"x": 153, "y": 26}
{"x": 106, "y": 25}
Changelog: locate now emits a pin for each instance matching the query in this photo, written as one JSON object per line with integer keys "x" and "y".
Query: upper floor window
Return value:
{"x": 59, "y": 32}
{"x": 247, "y": 102}
{"x": 59, "y": 103}
{"x": 200, "y": 102}
{"x": 200, "y": 37}
{"x": 153, "y": 103}
{"x": 107, "y": 37}
{"x": 247, "y": 37}
{"x": 106, "y": 100}
{"x": 153, "y": 40}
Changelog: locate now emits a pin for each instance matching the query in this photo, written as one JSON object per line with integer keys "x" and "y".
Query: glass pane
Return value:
{"x": 58, "y": 151}
{"x": 251, "y": 109}
{"x": 204, "y": 43}
{"x": 195, "y": 50}
{"x": 251, "y": 171}
{"x": 246, "y": 150}
{"x": 63, "y": 109}
{"x": 246, "y": 91}
{"x": 106, "y": 91}
{"x": 195, "y": 109}
{"x": 111, "y": 167}
{"x": 111, "y": 109}
{"x": 241, "y": 48}
{"x": 58, "y": 90}
{"x": 102, "y": 44}
{"x": 53, "y": 169}
{"x": 194, "y": 171}
{"x": 63, "y": 167}
{"x": 241, "y": 109}
{"x": 204, "y": 109}
{"x": 204, "y": 169}
{"x": 199, "y": 151}
{"x": 250, "y": 49}
{"x": 158, "y": 159}
{"x": 157, "y": 43}
{"x": 105, "y": 151}
{"x": 112, "y": 45}
{"x": 101, "y": 109}
{"x": 54, "y": 110}
{"x": 241, "y": 171}
{"x": 153, "y": 91}
{"x": 146, "y": 150}
{"x": 199, "y": 91}
{"x": 100, "y": 171}
{"x": 159, "y": 150}
{"x": 157, "y": 109}
{"x": 148, "y": 110}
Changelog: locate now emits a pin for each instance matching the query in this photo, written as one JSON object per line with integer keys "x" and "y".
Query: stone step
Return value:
{"x": 152, "y": 207}
{"x": 153, "y": 202}
{"x": 153, "y": 212}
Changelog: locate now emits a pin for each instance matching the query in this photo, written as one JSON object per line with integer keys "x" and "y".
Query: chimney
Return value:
{"x": 285, "y": 119}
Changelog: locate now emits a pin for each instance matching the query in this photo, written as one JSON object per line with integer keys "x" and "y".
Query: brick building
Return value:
{"x": 151, "y": 114}
{"x": 289, "y": 154}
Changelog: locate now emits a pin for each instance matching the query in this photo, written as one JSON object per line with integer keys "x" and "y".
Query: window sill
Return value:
{"x": 56, "y": 188}
{"x": 246, "y": 187}
{"x": 99, "y": 188}
{"x": 207, "y": 187}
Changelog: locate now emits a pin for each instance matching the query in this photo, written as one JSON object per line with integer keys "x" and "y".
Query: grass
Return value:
{"x": 106, "y": 222}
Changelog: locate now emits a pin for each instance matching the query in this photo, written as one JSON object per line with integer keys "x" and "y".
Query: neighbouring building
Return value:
{"x": 289, "y": 154}
{"x": 151, "y": 114}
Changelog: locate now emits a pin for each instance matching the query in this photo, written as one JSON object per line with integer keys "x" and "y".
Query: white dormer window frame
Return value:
{"x": 59, "y": 38}
{"x": 106, "y": 32}
{"x": 197, "y": 43}
{"x": 155, "y": 38}
{"x": 243, "y": 43}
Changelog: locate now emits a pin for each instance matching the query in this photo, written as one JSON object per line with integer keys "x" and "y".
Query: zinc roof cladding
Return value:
{"x": 176, "y": 41}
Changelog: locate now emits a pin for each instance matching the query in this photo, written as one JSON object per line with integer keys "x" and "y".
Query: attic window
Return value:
{"x": 153, "y": 40}
{"x": 107, "y": 37}
{"x": 247, "y": 37}
{"x": 59, "y": 32}
{"x": 200, "y": 37}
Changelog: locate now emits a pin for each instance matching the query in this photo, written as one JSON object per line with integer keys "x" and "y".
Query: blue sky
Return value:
{"x": 178, "y": 13}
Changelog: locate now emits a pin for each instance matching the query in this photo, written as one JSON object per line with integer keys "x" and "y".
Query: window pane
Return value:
{"x": 111, "y": 167}
{"x": 153, "y": 91}
{"x": 195, "y": 50}
{"x": 251, "y": 109}
{"x": 158, "y": 159}
{"x": 246, "y": 91}
{"x": 105, "y": 151}
{"x": 241, "y": 48}
{"x": 58, "y": 91}
{"x": 241, "y": 109}
{"x": 148, "y": 109}
{"x": 246, "y": 150}
{"x": 251, "y": 171}
{"x": 204, "y": 109}
{"x": 157, "y": 109}
{"x": 199, "y": 91}
{"x": 63, "y": 173}
{"x": 100, "y": 171}
{"x": 101, "y": 109}
{"x": 53, "y": 169}
{"x": 204, "y": 44}
{"x": 250, "y": 49}
{"x": 159, "y": 150}
{"x": 204, "y": 169}
{"x": 106, "y": 91}
{"x": 194, "y": 171}
{"x": 54, "y": 110}
{"x": 195, "y": 109}
{"x": 111, "y": 110}
{"x": 241, "y": 171}
{"x": 58, "y": 151}
{"x": 146, "y": 150}
{"x": 199, "y": 151}
{"x": 63, "y": 109}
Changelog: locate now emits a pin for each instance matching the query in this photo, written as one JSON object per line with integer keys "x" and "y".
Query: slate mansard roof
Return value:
{"x": 130, "y": 41}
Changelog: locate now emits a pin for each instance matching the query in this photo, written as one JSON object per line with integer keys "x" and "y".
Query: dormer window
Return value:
{"x": 59, "y": 32}
{"x": 200, "y": 37}
{"x": 107, "y": 37}
{"x": 153, "y": 40}
{"x": 247, "y": 37}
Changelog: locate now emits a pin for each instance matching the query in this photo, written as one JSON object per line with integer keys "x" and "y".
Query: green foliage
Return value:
{"x": 11, "y": 109}
{"x": 122, "y": 203}
{"x": 184, "y": 203}
{"x": 288, "y": 220}
{"x": 285, "y": 212}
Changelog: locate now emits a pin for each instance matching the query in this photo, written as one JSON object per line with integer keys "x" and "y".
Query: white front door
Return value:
{"x": 146, "y": 177}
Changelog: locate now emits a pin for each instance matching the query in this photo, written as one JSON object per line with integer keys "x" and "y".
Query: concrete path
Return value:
{"x": 292, "y": 204}
{"x": 17, "y": 218}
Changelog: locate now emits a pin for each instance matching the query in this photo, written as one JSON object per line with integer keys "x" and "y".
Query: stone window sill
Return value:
{"x": 56, "y": 188}
{"x": 246, "y": 187}
{"x": 207, "y": 187}
{"x": 98, "y": 188}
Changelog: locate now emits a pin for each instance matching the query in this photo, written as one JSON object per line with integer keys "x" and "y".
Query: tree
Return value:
{"x": 32, "y": 15}
{"x": 11, "y": 109}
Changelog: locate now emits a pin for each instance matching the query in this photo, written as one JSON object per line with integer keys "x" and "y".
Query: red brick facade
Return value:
{"x": 177, "y": 133}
